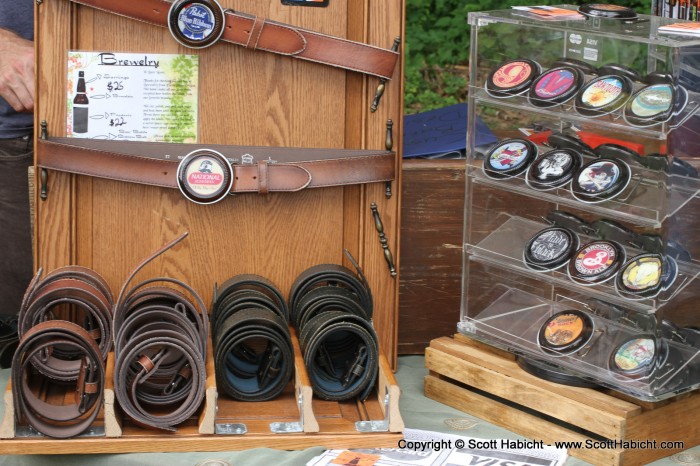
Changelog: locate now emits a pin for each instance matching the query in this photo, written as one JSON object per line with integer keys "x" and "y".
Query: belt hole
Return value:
{"x": 236, "y": 177}
{"x": 255, "y": 177}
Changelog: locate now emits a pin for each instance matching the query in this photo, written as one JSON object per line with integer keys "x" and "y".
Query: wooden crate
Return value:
{"x": 488, "y": 383}
{"x": 246, "y": 98}
{"x": 331, "y": 424}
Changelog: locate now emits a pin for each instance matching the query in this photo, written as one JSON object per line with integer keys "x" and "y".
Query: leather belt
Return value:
{"x": 341, "y": 355}
{"x": 76, "y": 287}
{"x": 248, "y": 290}
{"x": 67, "y": 420}
{"x": 276, "y": 170}
{"x": 253, "y": 352}
{"x": 356, "y": 296}
{"x": 271, "y": 36}
{"x": 244, "y": 373}
{"x": 160, "y": 350}
{"x": 332, "y": 308}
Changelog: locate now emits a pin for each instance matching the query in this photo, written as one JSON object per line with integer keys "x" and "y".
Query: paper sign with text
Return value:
{"x": 132, "y": 96}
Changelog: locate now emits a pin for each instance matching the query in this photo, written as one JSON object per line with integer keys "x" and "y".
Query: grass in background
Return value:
{"x": 437, "y": 48}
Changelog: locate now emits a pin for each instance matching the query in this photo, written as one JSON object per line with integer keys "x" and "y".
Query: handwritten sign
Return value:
{"x": 132, "y": 97}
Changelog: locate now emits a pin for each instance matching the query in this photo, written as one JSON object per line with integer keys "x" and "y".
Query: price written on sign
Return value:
{"x": 132, "y": 97}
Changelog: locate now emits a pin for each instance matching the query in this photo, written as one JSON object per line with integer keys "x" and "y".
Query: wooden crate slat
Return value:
{"x": 462, "y": 369}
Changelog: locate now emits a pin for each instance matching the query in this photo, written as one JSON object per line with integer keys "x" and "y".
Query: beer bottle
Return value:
{"x": 80, "y": 106}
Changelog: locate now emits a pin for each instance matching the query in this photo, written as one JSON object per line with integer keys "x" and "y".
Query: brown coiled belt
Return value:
{"x": 72, "y": 287}
{"x": 160, "y": 350}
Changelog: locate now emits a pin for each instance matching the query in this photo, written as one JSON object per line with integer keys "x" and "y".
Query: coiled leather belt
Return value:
{"x": 90, "y": 298}
{"x": 54, "y": 420}
{"x": 160, "y": 351}
{"x": 330, "y": 284}
{"x": 332, "y": 309}
{"x": 253, "y": 353}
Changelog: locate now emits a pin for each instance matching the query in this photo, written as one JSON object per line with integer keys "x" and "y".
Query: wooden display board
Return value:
{"x": 245, "y": 98}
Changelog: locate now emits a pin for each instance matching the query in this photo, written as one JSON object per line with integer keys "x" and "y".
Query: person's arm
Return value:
{"x": 17, "y": 71}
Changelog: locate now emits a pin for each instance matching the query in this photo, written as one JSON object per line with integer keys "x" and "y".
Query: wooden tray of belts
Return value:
{"x": 60, "y": 396}
{"x": 295, "y": 420}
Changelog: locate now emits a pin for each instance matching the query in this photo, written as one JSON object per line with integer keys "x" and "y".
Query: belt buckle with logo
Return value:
{"x": 204, "y": 176}
{"x": 196, "y": 23}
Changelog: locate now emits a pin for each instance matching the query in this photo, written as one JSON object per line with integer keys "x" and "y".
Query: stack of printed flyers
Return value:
{"x": 688, "y": 29}
{"x": 551, "y": 13}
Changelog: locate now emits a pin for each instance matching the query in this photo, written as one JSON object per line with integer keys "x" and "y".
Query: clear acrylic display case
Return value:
{"x": 506, "y": 302}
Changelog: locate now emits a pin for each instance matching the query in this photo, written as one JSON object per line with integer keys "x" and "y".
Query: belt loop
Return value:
{"x": 255, "y": 33}
{"x": 262, "y": 177}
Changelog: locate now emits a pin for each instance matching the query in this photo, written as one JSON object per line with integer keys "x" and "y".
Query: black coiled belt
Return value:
{"x": 253, "y": 351}
{"x": 52, "y": 420}
{"x": 160, "y": 350}
{"x": 332, "y": 308}
{"x": 330, "y": 278}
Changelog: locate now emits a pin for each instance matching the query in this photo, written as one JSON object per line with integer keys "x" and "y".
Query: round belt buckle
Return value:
{"x": 596, "y": 262}
{"x": 607, "y": 11}
{"x": 511, "y": 78}
{"x": 602, "y": 95}
{"x": 555, "y": 86}
{"x": 204, "y": 176}
{"x": 641, "y": 277}
{"x": 600, "y": 180}
{"x": 509, "y": 158}
{"x": 553, "y": 169}
{"x": 196, "y": 23}
{"x": 637, "y": 356}
{"x": 550, "y": 249}
{"x": 565, "y": 332}
{"x": 651, "y": 105}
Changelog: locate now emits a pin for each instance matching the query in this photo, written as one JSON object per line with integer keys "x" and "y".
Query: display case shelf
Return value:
{"x": 610, "y": 122}
{"x": 513, "y": 322}
{"x": 645, "y": 30}
{"x": 650, "y": 198}
{"x": 504, "y": 248}
{"x": 504, "y": 301}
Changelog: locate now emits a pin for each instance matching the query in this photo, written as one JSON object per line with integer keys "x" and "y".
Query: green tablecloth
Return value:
{"x": 417, "y": 411}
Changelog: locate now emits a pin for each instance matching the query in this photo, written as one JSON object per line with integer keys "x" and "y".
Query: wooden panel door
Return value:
{"x": 246, "y": 98}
